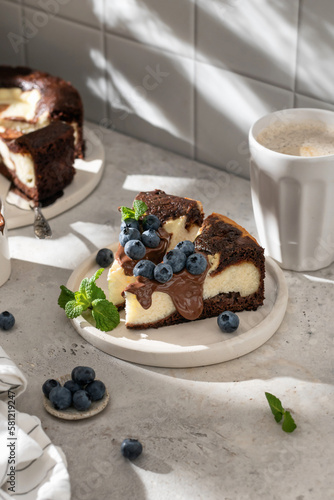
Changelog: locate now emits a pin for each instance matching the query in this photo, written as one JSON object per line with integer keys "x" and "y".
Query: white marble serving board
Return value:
{"x": 195, "y": 343}
{"x": 88, "y": 174}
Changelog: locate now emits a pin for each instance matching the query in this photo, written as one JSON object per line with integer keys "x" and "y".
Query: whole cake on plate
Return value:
{"x": 41, "y": 123}
{"x": 180, "y": 219}
{"x": 224, "y": 270}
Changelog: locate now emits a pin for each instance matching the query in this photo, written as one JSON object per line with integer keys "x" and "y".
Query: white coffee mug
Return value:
{"x": 5, "y": 265}
{"x": 293, "y": 196}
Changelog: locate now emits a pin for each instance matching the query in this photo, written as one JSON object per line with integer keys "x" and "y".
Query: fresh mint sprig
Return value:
{"x": 288, "y": 424}
{"x": 138, "y": 210}
{"x": 92, "y": 298}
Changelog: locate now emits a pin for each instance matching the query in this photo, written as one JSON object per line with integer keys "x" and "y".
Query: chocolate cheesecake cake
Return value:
{"x": 39, "y": 163}
{"x": 232, "y": 278}
{"x": 180, "y": 219}
{"x": 31, "y": 99}
{"x": 41, "y": 132}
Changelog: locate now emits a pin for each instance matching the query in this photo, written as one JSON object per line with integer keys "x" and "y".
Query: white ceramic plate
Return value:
{"x": 71, "y": 413}
{"x": 88, "y": 174}
{"x": 196, "y": 343}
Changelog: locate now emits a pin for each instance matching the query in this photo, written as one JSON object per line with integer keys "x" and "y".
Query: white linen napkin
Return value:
{"x": 31, "y": 467}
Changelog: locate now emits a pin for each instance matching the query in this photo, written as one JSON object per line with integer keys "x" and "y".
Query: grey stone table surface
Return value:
{"x": 207, "y": 432}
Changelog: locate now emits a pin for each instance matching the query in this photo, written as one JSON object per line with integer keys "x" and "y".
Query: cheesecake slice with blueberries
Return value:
{"x": 222, "y": 270}
{"x": 168, "y": 220}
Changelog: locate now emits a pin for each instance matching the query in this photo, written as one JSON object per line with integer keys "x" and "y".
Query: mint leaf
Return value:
{"x": 105, "y": 314}
{"x": 97, "y": 274}
{"x": 90, "y": 298}
{"x": 275, "y": 406}
{"x": 140, "y": 208}
{"x": 127, "y": 213}
{"x": 279, "y": 412}
{"x": 73, "y": 310}
{"x": 82, "y": 300}
{"x": 288, "y": 422}
{"x": 65, "y": 296}
{"x": 92, "y": 291}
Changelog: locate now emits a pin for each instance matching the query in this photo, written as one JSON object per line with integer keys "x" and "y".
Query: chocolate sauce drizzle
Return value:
{"x": 185, "y": 290}
{"x": 154, "y": 254}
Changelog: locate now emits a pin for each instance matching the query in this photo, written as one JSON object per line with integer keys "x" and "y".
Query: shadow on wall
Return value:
{"x": 195, "y": 109}
{"x": 196, "y": 97}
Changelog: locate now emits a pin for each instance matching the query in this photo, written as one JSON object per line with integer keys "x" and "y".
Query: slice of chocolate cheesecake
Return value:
{"x": 180, "y": 218}
{"x": 232, "y": 280}
{"x": 40, "y": 163}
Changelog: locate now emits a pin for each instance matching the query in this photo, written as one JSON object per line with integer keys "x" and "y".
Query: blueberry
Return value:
{"x": 144, "y": 268}
{"x": 176, "y": 259}
{"x": 104, "y": 257}
{"x": 83, "y": 375}
{"x": 72, "y": 386}
{"x": 60, "y": 397}
{"x": 163, "y": 272}
{"x": 81, "y": 400}
{"x": 228, "y": 321}
{"x": 135, "y": 249}
{"x": 131, "y": 448}
{"x": 151, "y": 222}
{"x": 186, "y": 247}
{"x": 95, "y": 390}
{"x": 49, "y": 385}
{"x": 150, "y": 238}
{"x": 127, "y": 234}
{"x": 130, "y": 223}
{"x": 196, "y": 263}
{"x": 7, "y": 320}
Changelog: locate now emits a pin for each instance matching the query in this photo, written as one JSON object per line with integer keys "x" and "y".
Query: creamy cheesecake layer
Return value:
{"x": 23, "y": 165}
{"x": 118, "y": 281}
{"x": 243, "y": 278}
{"x": 15, "y": 103}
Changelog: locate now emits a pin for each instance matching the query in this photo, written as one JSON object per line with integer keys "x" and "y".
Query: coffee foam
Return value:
{"x": 307, "y": 138}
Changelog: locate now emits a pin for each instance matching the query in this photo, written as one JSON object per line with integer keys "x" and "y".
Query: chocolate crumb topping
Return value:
{"x": 220, "y": 235}
{"x": 167, "y": 206}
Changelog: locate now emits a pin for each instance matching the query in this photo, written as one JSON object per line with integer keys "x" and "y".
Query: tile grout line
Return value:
{"x": 296, "y": 55}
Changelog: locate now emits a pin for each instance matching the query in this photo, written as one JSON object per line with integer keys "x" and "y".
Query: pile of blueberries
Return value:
{"x": 182, "y": 256}
{"x": 136, "y": 241}
{"x": 80, "y": 391}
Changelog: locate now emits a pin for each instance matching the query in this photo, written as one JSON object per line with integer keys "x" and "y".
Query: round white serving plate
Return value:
{"x": 88, "y": 174}
{"x": 195, "y": 343}
{"x": 71, "y": 413}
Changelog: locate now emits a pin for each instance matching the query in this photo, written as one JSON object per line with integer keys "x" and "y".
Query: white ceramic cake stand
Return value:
{"x": 88, "y": 174}
{"x": 196, "y": 343}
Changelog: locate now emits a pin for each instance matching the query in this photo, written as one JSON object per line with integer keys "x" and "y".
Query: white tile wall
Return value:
{"x": 150, "y": 94}
{"x": 73, "y": 51}
{"x": 256, "y": 38}
{"x": 315, "y": 68}
{"x": 90, "y": 12}
{"x": 226, "y": 106}
{"x": 168, "y": 25}
{"x": 187, "y": 75}
{"x": 11, "y": 40}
